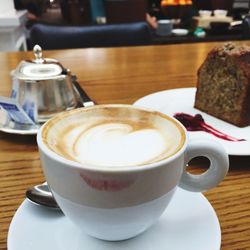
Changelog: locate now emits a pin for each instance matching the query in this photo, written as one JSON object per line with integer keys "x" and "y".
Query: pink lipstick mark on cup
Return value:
{"x": 106, "y": 185}
{"x": 197, "y": 123}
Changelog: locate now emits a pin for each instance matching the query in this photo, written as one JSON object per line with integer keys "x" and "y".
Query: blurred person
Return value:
{"x": 98, "y": 13}
{"x": 152, "y": 21}
{"x": 30, "y": 6}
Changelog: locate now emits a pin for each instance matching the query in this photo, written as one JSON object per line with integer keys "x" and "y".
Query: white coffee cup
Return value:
{"x": 117, "y": 201}
{"x": 205, "y": 13}
{"x": 220, "y": 13}
{"x": 164, "y": 27}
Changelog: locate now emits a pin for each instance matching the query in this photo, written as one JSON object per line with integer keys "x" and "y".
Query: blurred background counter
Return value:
{"x": 184, "y": 14}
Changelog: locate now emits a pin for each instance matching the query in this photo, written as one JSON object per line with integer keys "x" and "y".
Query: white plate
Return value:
{"x": 189, "y": 223}
{"x": 182, "y": 100}
{"x": 180, "y": 32}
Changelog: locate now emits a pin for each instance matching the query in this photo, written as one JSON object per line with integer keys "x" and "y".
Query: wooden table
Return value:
{"x": 122, "y": 75}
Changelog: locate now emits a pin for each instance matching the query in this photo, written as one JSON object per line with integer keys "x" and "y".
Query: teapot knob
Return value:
{"x": 38, "y": 54}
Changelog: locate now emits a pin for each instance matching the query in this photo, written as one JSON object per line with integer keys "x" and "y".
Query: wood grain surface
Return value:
{"x": 122, "y": 75}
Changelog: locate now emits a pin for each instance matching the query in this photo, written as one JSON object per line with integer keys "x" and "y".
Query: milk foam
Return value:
{"x": 114, "y": 139}
{"x": 118, "y": 144}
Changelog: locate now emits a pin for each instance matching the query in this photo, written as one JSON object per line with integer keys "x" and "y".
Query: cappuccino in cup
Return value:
{"x": 113, "y": 169}
{"x": 114, "y": 136}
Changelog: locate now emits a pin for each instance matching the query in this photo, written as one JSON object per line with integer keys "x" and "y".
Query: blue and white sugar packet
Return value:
{"x": 28, "y": 101}
{"x": 15, "y": 110}
{"x": 4, "y": 117}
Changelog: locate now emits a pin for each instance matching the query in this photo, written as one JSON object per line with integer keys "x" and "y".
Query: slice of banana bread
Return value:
{"x": 223, "y": 88}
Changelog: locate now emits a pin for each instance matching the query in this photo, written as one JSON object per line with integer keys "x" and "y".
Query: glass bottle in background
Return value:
{"x": 186, "y": 12}
{"x": 170, "y": 9}
{"x": 179, "y": 10}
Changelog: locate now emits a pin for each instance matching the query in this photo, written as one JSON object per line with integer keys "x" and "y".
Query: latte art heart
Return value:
{"x": 114, "y": 137}
{"x": 118, "y": 144}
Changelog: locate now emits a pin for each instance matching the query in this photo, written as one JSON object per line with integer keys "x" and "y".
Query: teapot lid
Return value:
{"x": 38, "y": 69}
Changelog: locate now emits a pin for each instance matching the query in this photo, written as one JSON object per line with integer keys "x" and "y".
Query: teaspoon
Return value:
{"x": 41, "y": 195}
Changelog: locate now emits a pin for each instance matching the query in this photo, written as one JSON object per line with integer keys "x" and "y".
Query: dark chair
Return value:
{"x": 111, "y": 35}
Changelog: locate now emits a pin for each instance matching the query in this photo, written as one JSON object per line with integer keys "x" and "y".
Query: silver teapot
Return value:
{"x": 43, "y": 87}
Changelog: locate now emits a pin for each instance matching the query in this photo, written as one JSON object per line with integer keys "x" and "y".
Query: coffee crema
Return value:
{"x": 113, "y": 136}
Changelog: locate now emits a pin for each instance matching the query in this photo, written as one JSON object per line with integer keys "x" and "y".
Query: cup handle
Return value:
{"x": 219, "y": 163}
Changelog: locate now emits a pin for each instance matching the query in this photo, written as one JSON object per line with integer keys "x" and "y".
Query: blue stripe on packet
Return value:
{"x": 15, "y": 111}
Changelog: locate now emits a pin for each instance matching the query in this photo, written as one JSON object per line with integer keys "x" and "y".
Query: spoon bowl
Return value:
{"x": 41, "y": 195}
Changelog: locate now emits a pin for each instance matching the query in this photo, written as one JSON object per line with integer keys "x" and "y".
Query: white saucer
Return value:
{"x": 182, "y": 100}
{"x": 189, "y": 223}
{"x": 20, "y": 129}
{"x": 180, "y": 32}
